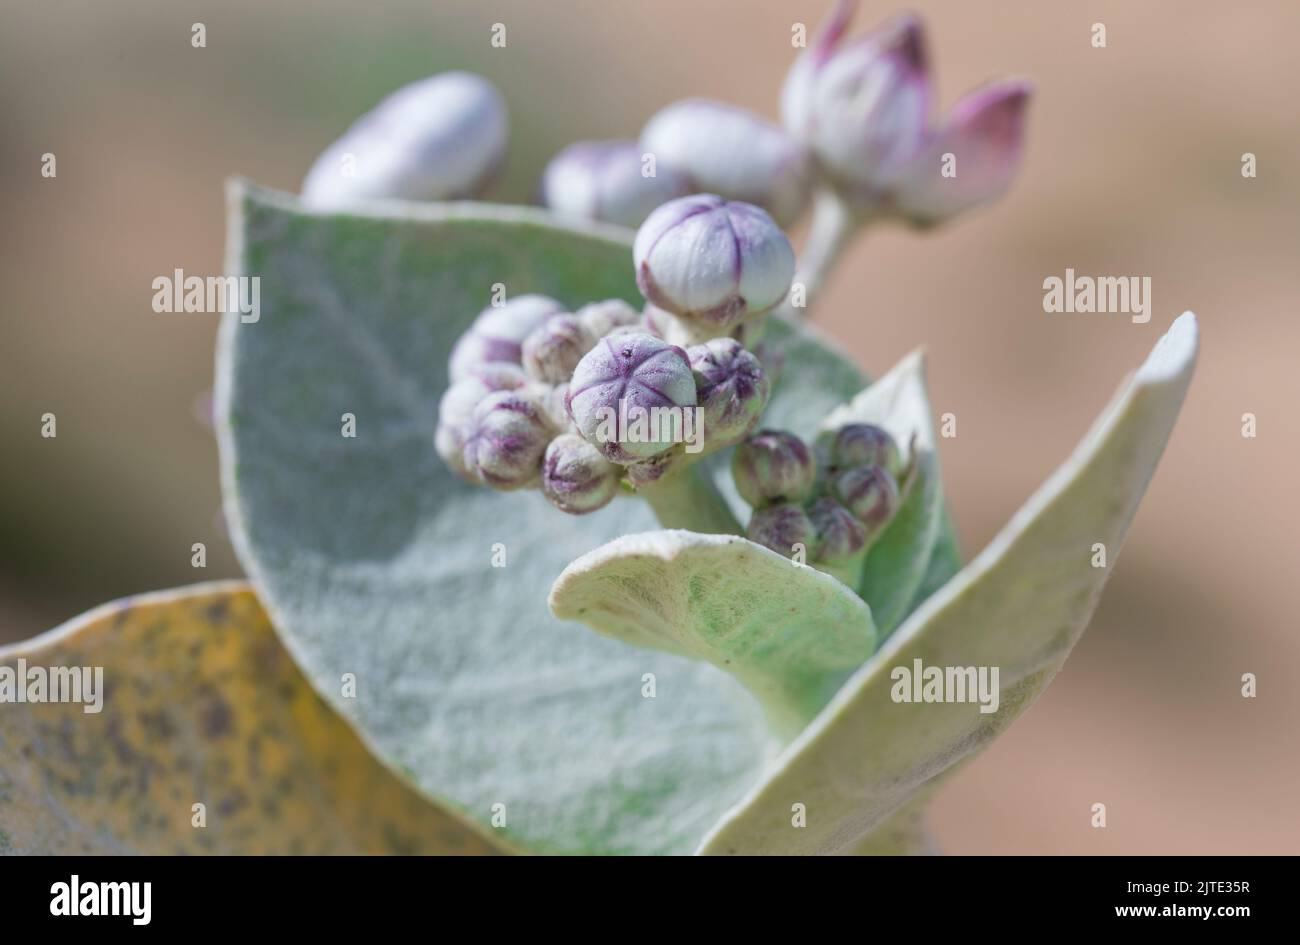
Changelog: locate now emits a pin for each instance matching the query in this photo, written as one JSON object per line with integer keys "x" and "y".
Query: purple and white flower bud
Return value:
{"x": 498, "y": 333}
{"x": 608, "y": 180}
{"x": 507, "y": 437}
{"x": 863, "y": 444}
{"x": 628, "y": 393}
{"x": 600, "y": 318}
{"x": 711, "y": 261}
{"x": 773, "y": 466}
{"x": 839, "y": 534}
{"x": 575, "y": 477}
{"x": 439, "y": 138}
{"x": 984, "y": 136}
{"x": 553, "y": 349}
{"x": 731, "y": 389}
{"x": 870, "y": 493}
{"x": 785, "y": 528}
{"x": 863, "y": 106}
{"x": 456, "y": 408}
{"x": 732, "y": 152}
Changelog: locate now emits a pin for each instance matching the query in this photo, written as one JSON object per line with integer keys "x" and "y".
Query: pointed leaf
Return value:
{"x": 1020, "y": 605}
{"x": 790, "y": 633}
{"x": 200, "y": 705}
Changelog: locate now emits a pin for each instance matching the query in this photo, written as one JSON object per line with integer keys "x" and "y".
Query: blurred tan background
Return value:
{"x": 1132, "y": 168}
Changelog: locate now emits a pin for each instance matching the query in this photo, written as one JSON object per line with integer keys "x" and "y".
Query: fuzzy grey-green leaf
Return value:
{"x": 1020, "y": 605}
{"x": 789, "y": 632}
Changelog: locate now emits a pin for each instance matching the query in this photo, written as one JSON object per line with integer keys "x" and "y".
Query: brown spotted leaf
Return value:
{"x": 200, "y": 705}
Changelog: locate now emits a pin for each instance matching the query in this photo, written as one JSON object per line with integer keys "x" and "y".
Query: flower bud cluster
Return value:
{"x": 829, "y": 504}
{"x": 574, "y": 403}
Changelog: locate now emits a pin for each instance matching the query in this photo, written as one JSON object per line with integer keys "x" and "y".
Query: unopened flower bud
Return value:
{"x": 773, "y": 466}
{"x": 861, "y": 106}
{"x": 575, "y": 477}
{"x": 863, "y": 444}
{"x": 553, "y": 349}
{"x": 984, "y": 136}
{"x": 731, "y": 389}
{"x": 600, "y": 318}
{"x": 733, "y": 152}
{"x": 839, "y": 534}
{"x": 711, "y": 261}
{"x": 435, "y": 139}
{"x": 456, "y": 408}
{"x": 870, "y": 493}
{"x": 610, "y": 181}
{"x": 507, "y": 437}
{"x": 785, "y": 528}
{"x": 498, "y": 333}
{"x": 626, "y": 393}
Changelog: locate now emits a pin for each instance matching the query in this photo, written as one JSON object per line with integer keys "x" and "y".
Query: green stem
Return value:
{"x": 832, "y": 230}
{"x": 689, "y": 499}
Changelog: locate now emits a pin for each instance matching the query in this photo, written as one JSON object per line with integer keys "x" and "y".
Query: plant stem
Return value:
{"x": 833, "y": 228}
{"x": 689, "y": 499}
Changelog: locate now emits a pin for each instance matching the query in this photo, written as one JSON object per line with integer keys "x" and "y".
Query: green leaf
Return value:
{"x": 896, "y": 563}
{"x": 788, "y": 632}
{"x": 199, "y": 704}
{"x": 1020, "y": 605}
{"x": 374, "y": 559}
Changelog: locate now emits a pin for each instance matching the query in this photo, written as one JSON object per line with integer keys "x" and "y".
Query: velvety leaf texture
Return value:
{"x": 1020, "y": 605}
{"x": 201, "y": 705}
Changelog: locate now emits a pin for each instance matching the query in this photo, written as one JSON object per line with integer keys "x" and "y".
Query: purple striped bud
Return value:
{"x": 712, "y": 261}
{"x": 456, "y": 408}
{"x": 785, "y": 528}
{"x": 439, "y": 138}
{"x": 984, "y": 136}
{"x": 870, "y": 493}
{"x": 553, "y": 349}
{"x": 600, "y": 318}
{"x": 499, "y": 331}
{"x": 607, "y": 180}
{"x": 863, "y": 106}
{"x": 730, "y": 151}
{"x": 507, "y": 437}
{"x": 839, "y": 534}
{"x": 575, "y": 477}
{"x": 731, "y": 388}
{"x": 773, "y": 466}
{"x": 628, "y": 396}
{"x": 863, "y": 444}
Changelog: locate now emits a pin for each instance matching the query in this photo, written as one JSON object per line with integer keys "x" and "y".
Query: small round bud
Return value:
{"x": 731, "y": 388}
{"x": 499, "y": 331}
{"x": 773, "y": 466}
{"x": 506, "y": 438}
{"x": 733, "y": 152}
{"x": 439, "y": 138}
{"x": 870, "y": 493}
{"x": 839, "y": 534}
{"x": 600, "y": 318}
{"x": 864, "y": 444}
{"x": 575, "y": 477}
{"x": 627, "y": 393}
{"x": 553, "y": 349}
{"x": 456, "y": 408}
{"x": 785, "y": 528}
{"x": 711, "y": 261}
{"x": 610, "y": 181}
